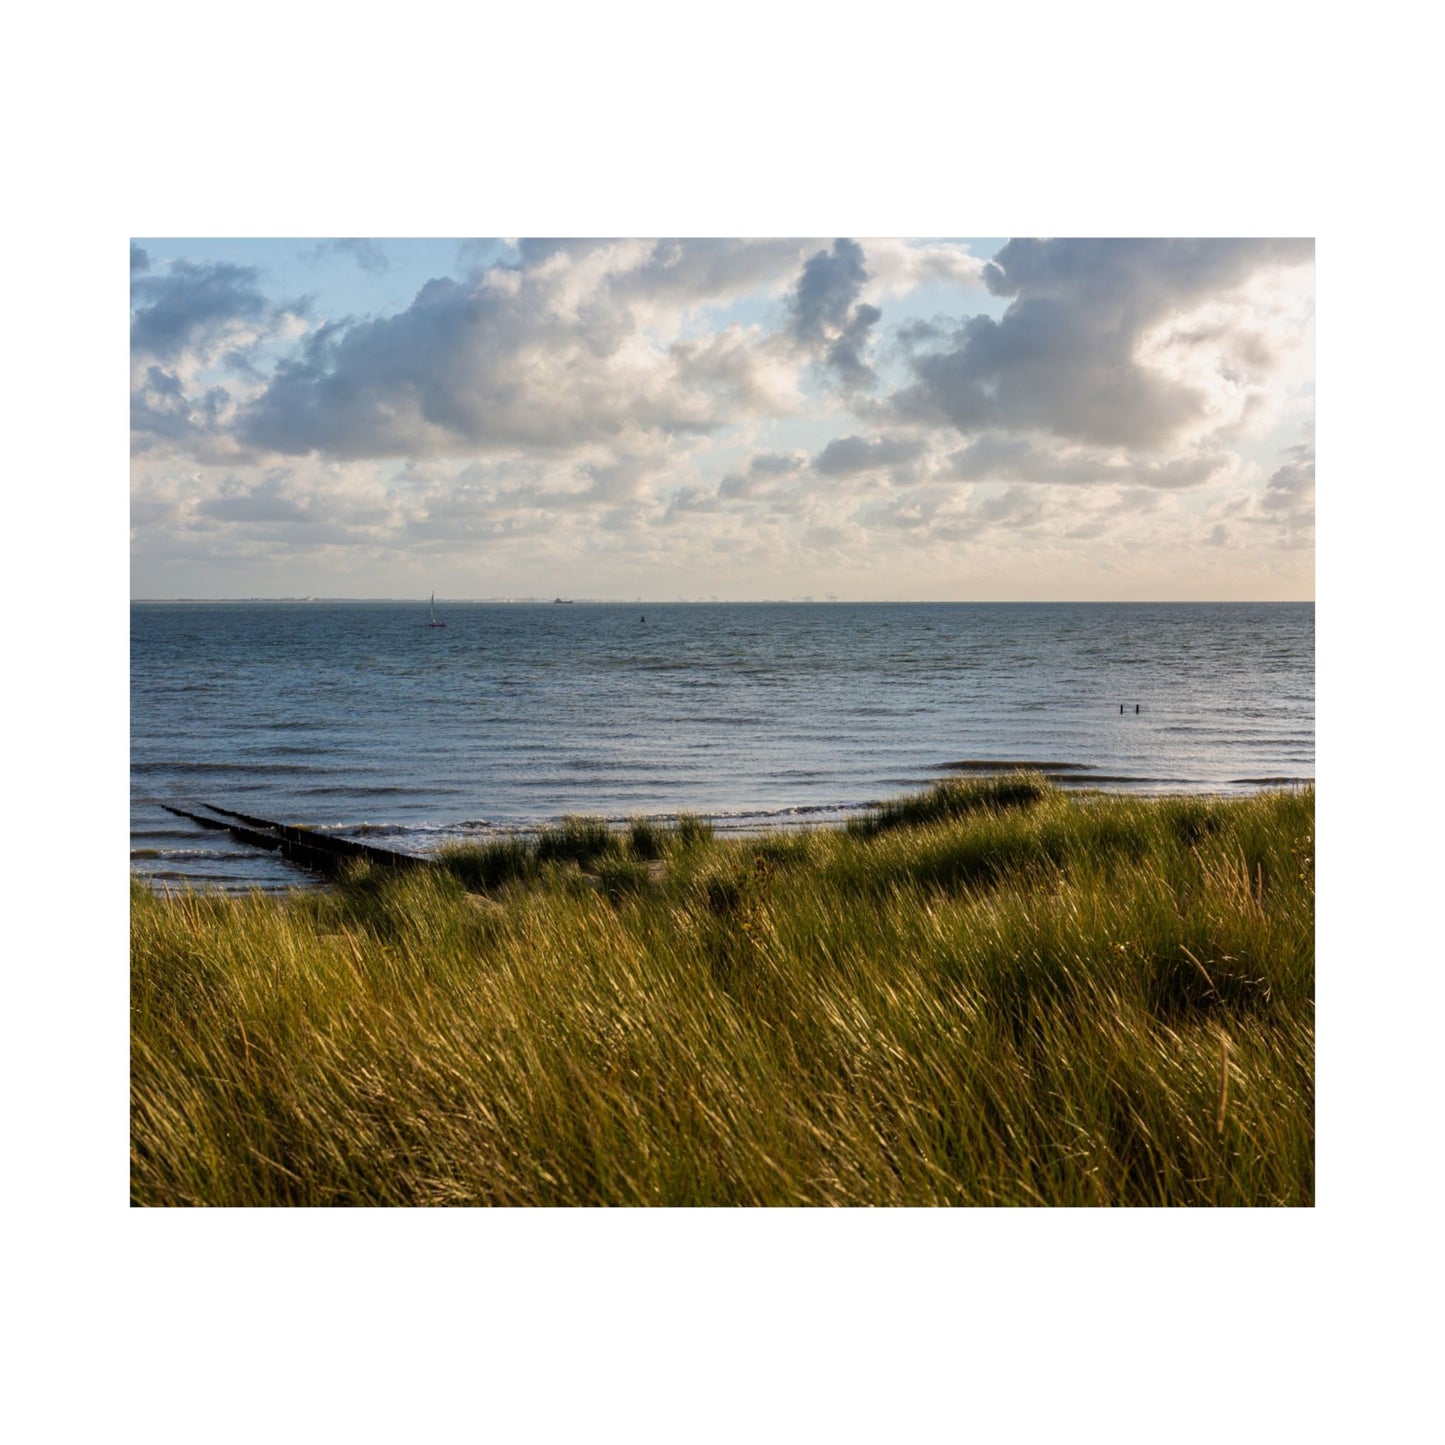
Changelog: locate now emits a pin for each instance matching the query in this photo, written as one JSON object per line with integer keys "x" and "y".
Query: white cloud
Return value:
{"x": 709, "y": 413}
{"x": 898, "y": 267}
{"x": 577, "y": 344}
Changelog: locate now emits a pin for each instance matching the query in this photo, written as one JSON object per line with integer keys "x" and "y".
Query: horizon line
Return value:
{"x": 801, "y": 600}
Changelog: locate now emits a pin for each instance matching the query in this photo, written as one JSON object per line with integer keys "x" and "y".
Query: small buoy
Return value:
{"x": 1121, "y": 709}
{"x": 1136, "y": 707}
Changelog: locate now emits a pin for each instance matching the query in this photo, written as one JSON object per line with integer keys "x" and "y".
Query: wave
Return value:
{"x": 181, "y": 853}
{"x": 239, "y": 766}
{"x": 1271, "y": 782}
{"x": 988, "y": 765}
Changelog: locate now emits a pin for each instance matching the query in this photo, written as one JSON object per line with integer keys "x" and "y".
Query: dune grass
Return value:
{"x": 995, "y": 997}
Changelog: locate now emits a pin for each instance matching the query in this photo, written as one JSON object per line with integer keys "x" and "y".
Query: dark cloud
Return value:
{"x": 774, "y": 464}
{"x": 761, "y": 475}
{"x": 826, "y": 291}
{"x": 845, "y": 355}
{"x": 917, "y": 333}
{"x": 1063, "y": 358}
{"x": 846, "y": 456}
{"x": 825, "y": 319}
{"x": 191, "y": 305}
{"x": 139, "y": 260}
{"x": 161, "y": 411}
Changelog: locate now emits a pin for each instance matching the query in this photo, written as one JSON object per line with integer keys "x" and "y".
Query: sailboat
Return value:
{"x": 434, "y": 622}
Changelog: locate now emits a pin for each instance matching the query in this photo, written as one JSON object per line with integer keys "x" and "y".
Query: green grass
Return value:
{"x": 955, "y": 798}
{"x": 997, "y": 997}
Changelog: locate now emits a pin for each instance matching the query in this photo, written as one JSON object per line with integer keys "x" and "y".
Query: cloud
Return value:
{"x": 367, "y": 254}
{"x": 185, "y": 320}
{"x": 897, "y": 267}
{"x": 715, "y": 413}
{"x": 162, "y": 411}
{"x": 576, "y": 344}
{"x": 826, "y": 290}
{"x": 690, "y": 499}
{"x": 846, "y": 456}
{"x": 1065, "y": 358}
{"x": 999, "y": 457}
{"x": 266, "y": 500}
{"x": 762, "y": 475}
{"x": 1291, "y": 490}
{"x": 1282, "y": 515}
{"x": 845, "y": 355}
{"x": 139, "y": 260}
{"x": 825, "y": 319}
{"x": 745, "y": 371}
{"x": 697, "y": 271}
{"x": 194, "y": 307}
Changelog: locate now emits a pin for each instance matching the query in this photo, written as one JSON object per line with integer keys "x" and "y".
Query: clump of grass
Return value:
{"x": 585, "y": 841}
{"x": 691, "y": 830}
{"x": 483, "y": 866}
{"x": 620, "y": 878}
{"x": 1074, "y": 1001}
{"x": 953, "y": 798}
{"x": 646, "y": 840}
{"x": 576, "y": 840}
{"x": 787, "y": 851}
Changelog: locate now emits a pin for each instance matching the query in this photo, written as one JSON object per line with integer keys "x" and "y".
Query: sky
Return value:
{"x": 838, "y": 417}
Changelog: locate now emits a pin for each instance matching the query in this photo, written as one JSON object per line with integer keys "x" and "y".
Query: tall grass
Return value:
{"x": 1033, "y": 1000}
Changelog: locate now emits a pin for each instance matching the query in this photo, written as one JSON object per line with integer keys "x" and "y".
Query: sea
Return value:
{"x": 358, "y": 718}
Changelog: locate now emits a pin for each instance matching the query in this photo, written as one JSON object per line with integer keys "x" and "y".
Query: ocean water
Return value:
{"x": 356, "y": 717}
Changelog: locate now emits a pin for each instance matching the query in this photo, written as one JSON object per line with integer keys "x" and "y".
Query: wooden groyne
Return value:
{"x": 320, "y": 852}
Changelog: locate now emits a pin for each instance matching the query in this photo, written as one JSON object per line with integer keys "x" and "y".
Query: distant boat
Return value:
{"x": 434, "y": 622}
{"x": 562, "y": 599}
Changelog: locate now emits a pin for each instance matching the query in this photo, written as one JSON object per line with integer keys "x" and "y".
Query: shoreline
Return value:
{"x": 1072, "y": 779}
